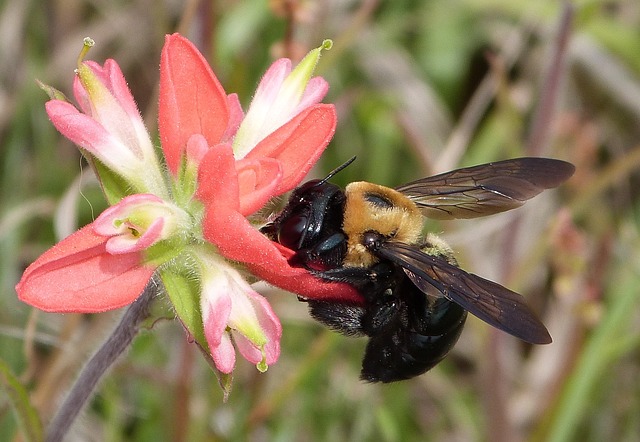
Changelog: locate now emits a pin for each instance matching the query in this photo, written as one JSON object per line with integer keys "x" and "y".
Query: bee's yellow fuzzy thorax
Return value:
{"x": 371, "y": 207}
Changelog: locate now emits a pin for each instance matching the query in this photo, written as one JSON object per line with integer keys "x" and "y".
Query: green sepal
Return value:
{"x": 302, "y": 73}
{"x": 225, "y": 380}
{"x": 26, "y": 415}
{"x": 163, "y": 252}
{"x": 52, "y": 92}
{"x": 114, "y": 187}
{"x": 184, "y": 187}
{"x": 184, "y": 292}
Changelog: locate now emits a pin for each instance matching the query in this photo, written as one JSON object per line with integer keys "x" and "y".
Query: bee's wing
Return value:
{"x": 485, "y": 189}
{"x": 491, "y": 302}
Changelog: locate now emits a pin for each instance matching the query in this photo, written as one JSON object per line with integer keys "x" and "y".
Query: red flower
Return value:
{"x": 224, "y": 167}
{"x": 79, "y": 275}
{"x": 231, "y": 189}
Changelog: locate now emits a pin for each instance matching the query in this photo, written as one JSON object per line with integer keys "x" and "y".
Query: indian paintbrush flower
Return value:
{"x": 189, "y": 226}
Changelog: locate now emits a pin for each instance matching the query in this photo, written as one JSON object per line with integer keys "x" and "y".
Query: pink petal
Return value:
{"x": 298, "y": 144}
{"x": 78, "y": 275}
{"x": 275, "y": 269}
{"x": 118, "y": 86}
{"x": 192, "y": 101}
{"x": 197, "y": 148}
{"x": 272, "y": 80}
{"x": 224, "y": 355}
{"x": 247, "y": 349}
{"x": 111, "y": 76}
{"x": 119, "y": 244}
{"x": 81, "y": 129}
{"x": 92, "y": 136}
{"x": 137, "y": 222}
{"x": 215, "y": 315}
{"x": 315, "y": 91}
{"x": 216, "y": 309}
{"x": 235, "y": 118}
{"x": 271, "y": 326}
{"x": 104, "y": 224}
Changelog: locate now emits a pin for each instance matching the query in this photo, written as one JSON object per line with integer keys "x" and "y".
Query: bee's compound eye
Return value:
{"x": 293, "y": 231}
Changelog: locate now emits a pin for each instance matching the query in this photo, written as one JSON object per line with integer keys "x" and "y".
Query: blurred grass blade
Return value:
{"x": 602, "y": 350}
{"x": 26, "y": 416}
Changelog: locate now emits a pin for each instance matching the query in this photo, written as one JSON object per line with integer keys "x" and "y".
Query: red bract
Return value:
{"x": 79, "y": 275}
{"x": 233, "y": 188}
{"x": 192, "y": 101}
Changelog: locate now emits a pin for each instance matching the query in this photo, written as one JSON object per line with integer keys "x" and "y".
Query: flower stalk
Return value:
{"x": 115, "y": 345}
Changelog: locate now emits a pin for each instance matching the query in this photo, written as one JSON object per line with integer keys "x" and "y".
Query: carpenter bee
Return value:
{"x": 415, "y": 297}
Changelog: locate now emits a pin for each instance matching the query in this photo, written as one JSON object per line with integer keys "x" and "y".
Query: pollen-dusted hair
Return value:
{"x": 370, "y": 207}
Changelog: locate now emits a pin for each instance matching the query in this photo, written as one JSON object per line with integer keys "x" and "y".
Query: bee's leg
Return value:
{"x": 350, "y": 275}
{"x": 371, "y": 282}
{"x": 382, "y": 313}
{"x": 327, "y": 254}
{"x": 343, "y": 318}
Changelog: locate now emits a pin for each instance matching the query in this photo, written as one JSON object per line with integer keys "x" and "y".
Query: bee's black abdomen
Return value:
{"x": 411, "y": 348}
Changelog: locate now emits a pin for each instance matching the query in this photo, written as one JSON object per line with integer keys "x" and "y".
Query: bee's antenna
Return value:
{"x": 337, "y": 169}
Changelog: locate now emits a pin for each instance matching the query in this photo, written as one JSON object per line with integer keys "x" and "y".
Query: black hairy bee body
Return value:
{"x": 410, "y": 331}
{"x": 415, "y": 297}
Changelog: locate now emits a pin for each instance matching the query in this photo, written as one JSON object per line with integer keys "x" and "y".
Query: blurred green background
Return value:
{"x": 421, "y": 86}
